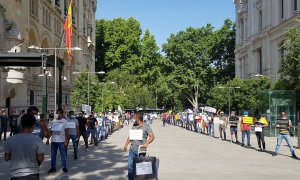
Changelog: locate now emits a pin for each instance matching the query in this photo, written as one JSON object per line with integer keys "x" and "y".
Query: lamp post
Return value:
{"x": 100, "y": 72}
{"x": 230, "y": 88}
{"x": 103, "y": 93}
{"x": 44, "y": 103}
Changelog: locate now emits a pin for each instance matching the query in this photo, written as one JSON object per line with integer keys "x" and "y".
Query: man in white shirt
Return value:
{"x": 59, "y": 140}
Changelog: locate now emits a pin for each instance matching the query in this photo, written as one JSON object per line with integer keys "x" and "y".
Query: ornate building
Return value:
{"x": 24, "y": 23}
{"x": 260, "y": 31}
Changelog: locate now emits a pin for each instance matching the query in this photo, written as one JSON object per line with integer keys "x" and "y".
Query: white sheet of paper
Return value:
{"x": 56, "y": 127}
{"x": 221, "y": 122}
{"x": 144, "y": 168}
{"x": 71, "y": 125}
{"x": 258, "y": 129}
{"x": 136, "y": 134}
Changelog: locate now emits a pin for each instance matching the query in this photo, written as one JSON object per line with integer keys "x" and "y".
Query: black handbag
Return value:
{"x": 145, "y": 168}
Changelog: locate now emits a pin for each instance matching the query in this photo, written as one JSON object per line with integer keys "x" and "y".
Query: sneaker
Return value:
{"x": 238, "y": 142}
{"x": 242, "y": 145}
{"x": 249, "y": 145}
{"x": 51, "y": 170}
{"x": 260, "y": 150}
{"x": 294, "y": 156}
{"x": 264, "y": 150}
{"x": 65, "y": 170}
{"x": 231, "y": 141}
{"x": 274, "y": 154}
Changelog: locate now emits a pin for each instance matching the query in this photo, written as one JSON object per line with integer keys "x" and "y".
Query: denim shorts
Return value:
{"x": 233, "y": 130}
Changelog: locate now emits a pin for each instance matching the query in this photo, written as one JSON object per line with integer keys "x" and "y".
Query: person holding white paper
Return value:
{"x": 138, "y": 136}
{"x": 260, "y": 123}
{"x": 223, "y": 124}
{"x": 59, "y": 140}
{"x": 73, "y": 132}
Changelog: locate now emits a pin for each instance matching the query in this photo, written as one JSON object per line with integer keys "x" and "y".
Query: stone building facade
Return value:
{"x": 260, "y": 31}
{"x": 40, "y": 23}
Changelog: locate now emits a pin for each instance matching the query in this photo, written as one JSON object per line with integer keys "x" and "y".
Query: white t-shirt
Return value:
{"x": 58, "y": 130}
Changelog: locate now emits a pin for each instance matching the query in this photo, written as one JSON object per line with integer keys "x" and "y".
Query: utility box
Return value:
{"x": 271, "y": 103}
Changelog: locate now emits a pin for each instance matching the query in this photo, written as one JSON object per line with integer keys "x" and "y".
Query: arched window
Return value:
{"x": 31, "y": 98}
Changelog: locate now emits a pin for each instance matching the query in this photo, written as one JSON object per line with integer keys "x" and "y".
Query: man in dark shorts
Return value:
{"x": 233, "y": 121}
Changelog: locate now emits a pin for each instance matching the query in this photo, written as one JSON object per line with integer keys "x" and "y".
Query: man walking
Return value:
{"x": 133, "y": 152}
{"x": 59, "y": 140}
{"x": 283, "y": 133}
{"x": 82, "y": 121}
{"x": 73, "y": 133}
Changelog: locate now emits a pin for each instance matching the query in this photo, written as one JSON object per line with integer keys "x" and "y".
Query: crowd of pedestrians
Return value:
{"x": 205, "y": 122}
{"x": 34, "y": 131}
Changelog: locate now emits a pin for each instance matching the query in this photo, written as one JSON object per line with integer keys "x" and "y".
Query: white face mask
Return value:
{"x": 73, "y": 116}
{"x": 55, "y": 116}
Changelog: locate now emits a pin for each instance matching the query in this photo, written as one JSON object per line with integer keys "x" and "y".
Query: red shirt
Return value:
{"x": 245, "y": 127}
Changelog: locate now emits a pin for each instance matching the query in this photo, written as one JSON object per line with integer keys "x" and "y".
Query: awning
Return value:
{"x": 29, "y": 59}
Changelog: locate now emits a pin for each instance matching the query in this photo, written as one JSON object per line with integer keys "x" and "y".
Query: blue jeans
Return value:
{"x": 164, "y": 122}
{"x": 132, "y": 154}
{"x": 246, "y": 132}
{"x": 61, "y": 147}
{"x": 100, "y": 132}
{"x": 73, "y": 137}
{"x": 93, "y": 132}
{"x": 3, "y": 130}
{"x": 288, "y": 140}
{"x": 211, "y": 129}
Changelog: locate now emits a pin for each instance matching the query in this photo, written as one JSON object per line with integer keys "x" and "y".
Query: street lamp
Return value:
{"x": 100, "y": 72}
{"x": 44, "y": 105}
{"x": 230, "y": 88}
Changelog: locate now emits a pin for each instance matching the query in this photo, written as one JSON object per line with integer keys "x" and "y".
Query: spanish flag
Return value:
{"x": 68, "y": 30}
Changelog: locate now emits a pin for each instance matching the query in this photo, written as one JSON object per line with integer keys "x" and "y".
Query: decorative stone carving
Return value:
{"x": 258, "y": 4}
{"x": 242, "y": 6}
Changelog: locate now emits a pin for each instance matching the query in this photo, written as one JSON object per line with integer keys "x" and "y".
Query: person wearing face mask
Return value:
{"x": 4, "y": 121}
{"x": 145, "y": 141}
{"x": 82, "y": 130}
{"x": 73, "y": 132}
{"x": 40, "y": 127}
{"x": 59, "y": 140}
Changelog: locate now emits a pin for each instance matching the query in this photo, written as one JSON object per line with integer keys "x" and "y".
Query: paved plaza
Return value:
{"x": 184, "y": 155}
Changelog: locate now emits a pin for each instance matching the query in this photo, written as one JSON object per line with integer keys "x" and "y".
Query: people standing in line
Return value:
{"x": 19, "y": 127}
{"x": 222, "y": 124}
{"x": 205, "y": 122}
{"x": 82, "y": 121}
{"x": 164, "y": 118}
{"x": 211, "y": 126}
{"x": 13, "y": 123}
{"x": 73, "y": 133}
{"x": 133, "y": 152}
{"x": 260, "y": 123}
{"x": 59, "y": 140}
{"x": 283, "y": 133}
{"x": 4, "y": 123}
{"x": 233, "y": 122}
{"x": 177, "y": 118}
{"x": 91, "y": 129}
{"x": 245, "y": 128}
{"x": 50, "y": 119}
{"x": 40, "y": 128}
{"x": 25, "y": 162}
{"x": 198, "y": 119}
{"x": 100, "y": 128}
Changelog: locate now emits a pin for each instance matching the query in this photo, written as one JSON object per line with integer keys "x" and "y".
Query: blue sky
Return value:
{"x": 164, "y": 17}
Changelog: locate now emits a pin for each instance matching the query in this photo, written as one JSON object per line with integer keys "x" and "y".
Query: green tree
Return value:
{"x": 118, "y": 43}
{"x": 291, "y": 61}
{"x": 81, "y": 92}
